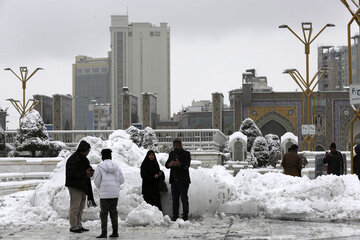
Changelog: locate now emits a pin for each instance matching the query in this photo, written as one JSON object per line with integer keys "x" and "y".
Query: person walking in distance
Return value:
{"x": 108, "y": 178}
{"x": 334, "y": 160}
{"x": 78, "y": 174}
{"x": 179, "y": 163}
{"x": 292, "y": 162}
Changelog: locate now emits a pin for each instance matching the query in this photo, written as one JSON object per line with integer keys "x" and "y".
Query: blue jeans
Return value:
{"x": 180, "y": 190}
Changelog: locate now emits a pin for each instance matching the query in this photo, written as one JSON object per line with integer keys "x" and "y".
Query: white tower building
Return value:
{"x": 140, "y": 55}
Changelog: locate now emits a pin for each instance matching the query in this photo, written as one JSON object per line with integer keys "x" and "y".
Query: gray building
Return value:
{"x": 140, "y": 54}
{"x": 45, "y": 108}
{"x": 149, "y": 108}
{"x": 91, "y": 81}
{"x": 62, "y": 112}
{"x": 130, "y": 109}
{"x": 336, "y": 60}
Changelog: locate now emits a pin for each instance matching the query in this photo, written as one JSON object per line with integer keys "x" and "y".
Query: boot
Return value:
{"x": 102, "y": 235}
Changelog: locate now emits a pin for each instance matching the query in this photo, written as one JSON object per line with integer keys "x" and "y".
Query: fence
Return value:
{"x": 205, "y": 139}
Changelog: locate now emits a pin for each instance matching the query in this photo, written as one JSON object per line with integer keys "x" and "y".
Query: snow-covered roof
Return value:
{"x": 288, "y": 137}
{"x": 237, "y": 136}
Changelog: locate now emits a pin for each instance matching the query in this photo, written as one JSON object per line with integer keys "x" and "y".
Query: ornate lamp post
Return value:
{"x": 306, "y": 85}
{"x": 23, "y": 107}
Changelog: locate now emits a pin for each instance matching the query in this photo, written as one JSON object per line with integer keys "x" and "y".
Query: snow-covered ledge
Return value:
{"x": 24, "y": 165}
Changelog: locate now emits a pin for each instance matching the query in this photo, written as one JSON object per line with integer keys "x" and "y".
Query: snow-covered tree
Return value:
{"x": 274, "y": 148}
{"x": 135, "y": 135}
{"x": 260, "y": 150}
{"x": 251, "y": 159}
{"x": 249, "y": 129}
{"x": 32, "y": 135}
{"x": 150, "y": 140}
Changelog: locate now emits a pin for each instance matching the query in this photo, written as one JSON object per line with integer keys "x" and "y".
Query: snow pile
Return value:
{"x": 212, "y": 191}
{"x": 279, "y": 196}
{"x": 145, "y": 214}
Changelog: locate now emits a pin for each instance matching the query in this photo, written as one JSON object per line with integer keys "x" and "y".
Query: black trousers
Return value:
{"x": 180, "y": 190}
{"x": 108, "y": 205}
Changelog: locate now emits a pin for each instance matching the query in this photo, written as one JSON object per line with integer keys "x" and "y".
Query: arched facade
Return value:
{"x": 275, "y": 123}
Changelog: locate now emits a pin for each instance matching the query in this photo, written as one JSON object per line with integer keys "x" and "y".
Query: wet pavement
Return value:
{"x": 229, "y": 228}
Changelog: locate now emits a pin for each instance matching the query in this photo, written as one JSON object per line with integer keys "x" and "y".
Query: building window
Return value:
{"x": 86, "y": 70}
{"x": 157, "y": 34}
{"x": 104, "y": 69}
{"x": 96, "y": 70}
{"x": 79, "y": 70}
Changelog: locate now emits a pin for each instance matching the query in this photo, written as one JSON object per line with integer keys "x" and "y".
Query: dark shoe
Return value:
{"x": 185, "y": 217}
{"x": 84, "y": 229}
{"x": 174, "y": 218}
{"x": 114, "y": 235}
{"x": 75, "y": 230}
{"x": 103, "y": 235}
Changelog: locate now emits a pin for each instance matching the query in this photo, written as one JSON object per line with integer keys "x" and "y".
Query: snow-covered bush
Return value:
{"x": 251, "y": 159}
{"x": 249, "y": 129}
{"x": 165, "y": 148}
{"x": 274, "y": 149}
{"x": 55, "y": 147}
{"x": 260, "y": 150}
{"x": 32, "y": 135}
{"x": 150, "y": 140}
{"x": 136, "y": 135}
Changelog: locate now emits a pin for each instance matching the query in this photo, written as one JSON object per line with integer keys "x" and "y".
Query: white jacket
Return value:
{"x": 108, "y": 178}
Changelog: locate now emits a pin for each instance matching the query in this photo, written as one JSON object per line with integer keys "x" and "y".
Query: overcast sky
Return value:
{"x": 212, "y": 42}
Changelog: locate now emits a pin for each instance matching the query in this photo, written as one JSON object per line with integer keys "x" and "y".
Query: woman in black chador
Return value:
{"x": 151, "y": 176}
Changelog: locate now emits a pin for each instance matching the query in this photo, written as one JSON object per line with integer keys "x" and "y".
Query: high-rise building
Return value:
{"x": 45, "y": 108}
{"x": 62, "y": 112}
{"x": 130, "y": 109}
{"x": 336, "y": 61}
{"x": 140, "y": 55}
{"x": 91, "y": 81}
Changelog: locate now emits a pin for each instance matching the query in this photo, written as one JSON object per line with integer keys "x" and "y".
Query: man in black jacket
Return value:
{"x": 179, "y": 163}
{"x": 334, "y": 160}
{"x": 78, "y": 174}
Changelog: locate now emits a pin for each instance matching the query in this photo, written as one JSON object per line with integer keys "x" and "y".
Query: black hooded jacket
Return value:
{"x": 76, "y": 176}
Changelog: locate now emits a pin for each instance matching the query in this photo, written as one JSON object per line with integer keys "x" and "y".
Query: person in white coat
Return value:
{"x": 108, "y": 178}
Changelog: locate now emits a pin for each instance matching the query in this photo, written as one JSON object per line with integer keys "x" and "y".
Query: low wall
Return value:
{"x": 25, "y": 165}
{"x": 207, "y": 159}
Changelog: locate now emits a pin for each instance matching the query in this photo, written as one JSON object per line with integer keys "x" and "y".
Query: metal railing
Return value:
{"x": 206, "y": 139}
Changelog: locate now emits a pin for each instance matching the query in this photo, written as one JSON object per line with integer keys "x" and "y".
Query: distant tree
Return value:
{"x": 136, "y": 135}
{"x": 274, "y": 148}
{"x": 249, "y": 129}
{"x": 150, "y": 140}
{"x": 260, "y": 150}
{"x": 32, "y": 135}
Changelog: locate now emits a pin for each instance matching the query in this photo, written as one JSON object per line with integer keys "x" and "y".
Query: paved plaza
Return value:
{"x": 210, "y": 228}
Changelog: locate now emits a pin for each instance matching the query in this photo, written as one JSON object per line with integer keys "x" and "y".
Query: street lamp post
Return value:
{"x": 306, "y": 85}
{"x": 355, "y": 17}
{"x": 23, "y": 107}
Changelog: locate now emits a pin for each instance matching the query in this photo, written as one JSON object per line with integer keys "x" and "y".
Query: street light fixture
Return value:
{"x": 23, "y": 107}
{"x": 306, "y": 85}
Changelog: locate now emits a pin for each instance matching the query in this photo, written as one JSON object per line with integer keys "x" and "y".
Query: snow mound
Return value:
{"x": 145, "y": 214}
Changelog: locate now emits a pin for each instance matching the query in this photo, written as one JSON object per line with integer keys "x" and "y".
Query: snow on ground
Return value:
{"x": 212, "y": 191}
